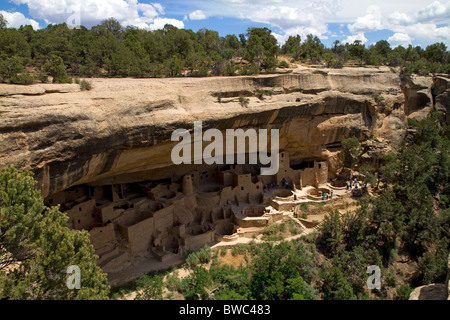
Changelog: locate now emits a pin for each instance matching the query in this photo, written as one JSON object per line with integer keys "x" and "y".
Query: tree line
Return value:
{"x": 111, "y": 50}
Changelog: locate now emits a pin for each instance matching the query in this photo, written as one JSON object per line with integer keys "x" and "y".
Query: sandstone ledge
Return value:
{"x": 120, "y": 130}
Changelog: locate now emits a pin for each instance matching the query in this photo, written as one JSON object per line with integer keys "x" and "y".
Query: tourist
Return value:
{"x": 331, "y": 194}
{"x": 295, "y": 197}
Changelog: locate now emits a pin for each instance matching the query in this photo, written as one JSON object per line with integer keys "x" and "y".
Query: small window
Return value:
{"x": 79, "y": 221}
{"x": 79, "y": 209}
{"x": 282, "y": 155}
{"x": 242, "y": 188}
{"x": 320, "y": 166}
{"x": 257, "y": 187}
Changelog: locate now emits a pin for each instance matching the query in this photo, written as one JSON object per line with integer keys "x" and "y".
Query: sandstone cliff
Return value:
{"x": 120, "y": 131}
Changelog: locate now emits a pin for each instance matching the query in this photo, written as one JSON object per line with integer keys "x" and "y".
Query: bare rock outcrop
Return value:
{"x": 435, "y": 291}
{"x": 120, "y": 131}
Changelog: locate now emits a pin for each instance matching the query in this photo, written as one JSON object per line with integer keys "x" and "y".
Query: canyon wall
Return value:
{"x": 120, "y": 131}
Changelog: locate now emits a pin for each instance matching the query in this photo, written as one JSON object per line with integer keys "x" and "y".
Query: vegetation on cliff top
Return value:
{"x": 110, "y": 50}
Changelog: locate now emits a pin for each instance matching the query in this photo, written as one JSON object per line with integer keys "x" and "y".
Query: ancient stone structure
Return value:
{"x": 168, "y": 218}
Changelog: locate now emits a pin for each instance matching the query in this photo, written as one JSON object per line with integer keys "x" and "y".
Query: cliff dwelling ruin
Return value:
{"x": 163, "y": 219}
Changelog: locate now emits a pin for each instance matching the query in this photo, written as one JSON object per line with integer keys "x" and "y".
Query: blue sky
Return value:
{"x": 401, "y": 22}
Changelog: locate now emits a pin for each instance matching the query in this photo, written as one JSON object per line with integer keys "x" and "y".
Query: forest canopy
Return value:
{"x": 111, "y": 50}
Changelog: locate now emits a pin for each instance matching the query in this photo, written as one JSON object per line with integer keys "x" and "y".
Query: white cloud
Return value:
{"x": 435, "y": 11}
{"x": 399, "y": 38}
{"x": 197, "y": 15}
{"x": 290, "y": 16}
{"x": 418, "y": 25}
{"x": 92, "y": 12}
{"x": 370, "y": 22}
{"x": 159, "y": 23}
{"x": 400, "y": 18}
{"x": 350, "y": 39}
{"x": 17, "y": 19}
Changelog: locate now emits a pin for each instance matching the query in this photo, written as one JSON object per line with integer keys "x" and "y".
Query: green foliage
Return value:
{"x": 351, "y": 151}
{"x": 378, "y": 99}
{"x": 21, "y": 207}
{"x": 273, "y": 265}
{"x": 85, "y": 85}
{"x": 233, "y": 283}
{"x": 391, "y": 279}
{"x": 297, "y": 289}
{"x": 38, "y": 239}
{"x": 3, "y": 22}
{"x": 110, "y": 49}
{"x": 262, "y": 48}
{"x": 403, "y": 292}
{"x": 23, "y": 79}
{"x": 239, "y": 249}
{"x": 150, "y": 287}
{"x": 56, "y": 68}
{"x": 331, "y": 234}
{"x": 195, "y": 285}
{"x": 304, "y": 206}
{"x": 10, "y": 69}
{"x": 244, "y": 101}
{"x": 283, "y": 64}
{"x": 199, "y": 257}
{"x": 336, "y": 286}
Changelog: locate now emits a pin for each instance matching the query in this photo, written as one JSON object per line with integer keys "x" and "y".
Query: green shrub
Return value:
{"x": 201, "y": 256}
{"x": 404, "y": 292}
{"x": 85, "y": 85}
{"x": 239, "y": 249}
{"x": 260, "y": 94}
{"x": 304, "y": 206}
{"x": 151, "y": 287}
{"x": 23, "y": 79}
{"x": 173, "y": 283}
{"x": 243, "y": 100}
{"x": 378, "y": 98}
{"x": 63, "y": 79}
{"x": 42, "y": 77}
{"x": 283, "y": 64}
{"x": 391, "y": 279}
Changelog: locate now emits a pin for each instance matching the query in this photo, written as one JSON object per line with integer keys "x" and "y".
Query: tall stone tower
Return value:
{"x": 186, "y": 186}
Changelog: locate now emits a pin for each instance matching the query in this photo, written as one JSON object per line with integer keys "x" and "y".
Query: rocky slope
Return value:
{"x": 120, "y": 131}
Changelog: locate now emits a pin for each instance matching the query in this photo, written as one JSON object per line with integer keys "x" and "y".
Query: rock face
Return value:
{"x": 120, "y": 131}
